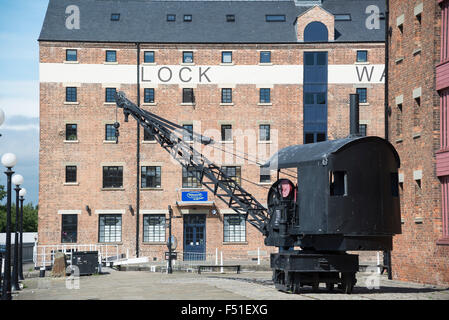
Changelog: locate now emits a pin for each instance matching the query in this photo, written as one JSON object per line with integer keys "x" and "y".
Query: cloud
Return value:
{"x": 19, "y": 98}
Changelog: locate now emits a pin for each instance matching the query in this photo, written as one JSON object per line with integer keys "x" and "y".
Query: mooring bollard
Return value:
{"x": 42, "y": 272}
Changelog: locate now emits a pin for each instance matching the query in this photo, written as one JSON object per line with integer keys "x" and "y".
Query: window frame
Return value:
{"x": 71, "y": 96}
{"x": 226, "y": 95}
{"x": 263, "y": 95}
{"x": 108, "y": 98}
{"x": 158, "y": 230}
{"x": 71, "y": 177}
{"x": 112, "y": 238}
{"x": 152, "y": 178}
{"x": 230, "y": 18}
{"x": 185, "y": 55}
{"x": 171, "y": 17}
{"x": 107, "y": 129}
{"x": 188, "y": 96}
{"x": 189, "y": 179}
{"x": 275, "y": 18}
{"x": 366, "y": 56}
{"x": 262, "y": 54}
{"x": 69, "y": 131}
{"x": 224, "y": 54}
{"x": 72, "y": 225}
{"x": 187, "y": 134}
{"x": 115, "y": 16}
{"x": 67, "y": 55}
{"x": 112, "y": 181}
{"x": 235, "y": 233}
{"x": 108, "y": 53}
{"x": 145, "y": 55}
{"x": 150, "y": 94}
{"x": 238, "y": 173}
{"x": 365, "y": 95}
{"x": 265, "y": 135}
{"x": 188, "y": 18}
{"x": 224, "y": 134}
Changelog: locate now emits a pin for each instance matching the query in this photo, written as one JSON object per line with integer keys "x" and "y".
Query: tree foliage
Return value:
{"x": 29, "y": 215}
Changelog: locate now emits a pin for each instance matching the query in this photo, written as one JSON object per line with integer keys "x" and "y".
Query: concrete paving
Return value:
{"x": 143, "y": 285}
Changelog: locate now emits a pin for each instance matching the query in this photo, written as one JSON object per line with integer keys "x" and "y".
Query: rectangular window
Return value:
{"x": 190, "y": 178}
{"x": 187, "y": 57}
{"x": 187, "y": 18}
{"x": 338, "y": 183}
{"x": 265, "y": 57}
{"x": 399, "y": 120}
{"x": 226, "y": 132}
{"x": 71, "y": 94}
{"x": 69, "y": 228}
{"x": 111, "y": 56}
{"x": 226, "y": 57}
{"x": 110, "y": 133}
{"x": 110, "y": 94}
{"x": 113, "y": 177}
{"x": 265, "y": 175}
{"x": 148, "y": 57}
{"x": 235, "y": 173}
{"x": 71, "y": 132}
{"x": 234, "y": 228}
{"x": 71, "y": 55}
{"x": 148, "y": 136}
{"x": 264, "y": 96}
{"x": 230, "y": 18}
{"x": 362, "y": 56}
{"x": 110, "y": 228}
{"x": 264, "y": 132}
{"x": 187, "y": 133}
{"x": 342, "y": 17}
{"x": 115, "y": 17}
{"x": 171, "y": 17}
{"x": 362, "y": 129}
{"x": 226, "y": 95}
{"x": 187, "y": 95}
{"x": 363, "y": 95}
{"x": 70, "y": 174}
{"x": 148, "y": 95}
{"x": 150, "y": 177}
{"x": 154, "y": 228}
{"x": 275, "y": 18}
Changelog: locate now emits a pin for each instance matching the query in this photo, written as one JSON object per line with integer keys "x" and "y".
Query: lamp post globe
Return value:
{"x": 17, "y": 179}
{"x": 23, "y": 192}
{"x": 9, "y": 160}
{"x": 2, "y": 116}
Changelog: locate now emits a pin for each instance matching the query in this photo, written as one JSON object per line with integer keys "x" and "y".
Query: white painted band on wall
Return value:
{"x": 193, "y": 75}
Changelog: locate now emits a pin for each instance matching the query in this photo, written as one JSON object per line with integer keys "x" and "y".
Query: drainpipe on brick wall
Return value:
{"x": 138, "y": 156}
{"x": 387, "y": 60}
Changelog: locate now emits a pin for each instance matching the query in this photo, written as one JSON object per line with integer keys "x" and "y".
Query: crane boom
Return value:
{"x": 169, "y": 136}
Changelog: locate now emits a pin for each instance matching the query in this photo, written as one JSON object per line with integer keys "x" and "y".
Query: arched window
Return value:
{"x": 316, "y": 32}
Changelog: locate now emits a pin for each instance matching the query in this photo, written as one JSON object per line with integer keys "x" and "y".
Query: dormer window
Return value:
{"x": 275, "y": 18}
{"x": 187, "y": 18}
{"x": 115, "y": 17}
{"x": 230, "y": 18}
{"x": 342, "y": 17}
{"x": 171, "y": 17}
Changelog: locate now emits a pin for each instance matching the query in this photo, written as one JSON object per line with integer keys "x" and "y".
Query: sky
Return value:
{"x": 20, "y": 25}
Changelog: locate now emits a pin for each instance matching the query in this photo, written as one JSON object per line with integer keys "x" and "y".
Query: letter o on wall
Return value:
{"x": 316, "y": 32}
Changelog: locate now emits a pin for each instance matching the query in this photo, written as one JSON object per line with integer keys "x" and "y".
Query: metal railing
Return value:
{"x": 44, "y": 255}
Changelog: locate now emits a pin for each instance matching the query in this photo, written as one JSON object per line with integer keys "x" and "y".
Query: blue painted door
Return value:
{"x": 315, "y": 96}
{"x": 195, "y": 237}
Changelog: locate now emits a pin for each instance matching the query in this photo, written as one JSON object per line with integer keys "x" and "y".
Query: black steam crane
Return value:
{"x": 345, "y": 198}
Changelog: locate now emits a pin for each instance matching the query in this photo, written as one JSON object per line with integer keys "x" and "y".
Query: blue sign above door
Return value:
{"x": 194, "y": 196}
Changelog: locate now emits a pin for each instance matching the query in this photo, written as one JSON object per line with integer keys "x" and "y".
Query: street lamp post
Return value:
{"x": 17, "y": 179}
{"x": 22, "y": 194}
{"x": 9, "y": 160}
{"x": 170, "y": 245}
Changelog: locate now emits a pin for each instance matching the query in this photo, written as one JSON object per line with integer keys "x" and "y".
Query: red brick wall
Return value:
{"x": 416, "y": 255}
{"x": 285, "y": 115}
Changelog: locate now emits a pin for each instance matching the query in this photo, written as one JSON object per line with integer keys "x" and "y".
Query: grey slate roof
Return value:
{"x": 145, "y": 21}
{"x": 291, "y": 156}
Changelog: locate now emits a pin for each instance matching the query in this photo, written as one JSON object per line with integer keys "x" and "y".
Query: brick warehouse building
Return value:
{"x": 418, "y": 130}
{"x": 276, "y": 72}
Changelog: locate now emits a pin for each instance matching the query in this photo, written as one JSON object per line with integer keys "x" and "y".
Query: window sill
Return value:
{"x": 265, "y": 183}
{"x": 110, "y": 63}
{"x": 227, "y": 64}
{"x": 265, "y": 64}
{"x": 361, "y": 63}
{"x": 416, "y": 135}
{"x": 227, "y": 142}
{"x": 71, "y": 62}
{"x": 191, "y": 189}
{"x": 149, "y": 64}
{"x": 264, "y": 104}
{"x": 149, "y": 104}
{"x": 187, "y": 63}
{"x": 109, "y": 142}
{"x": 443, "y": 242}
{"x": 398, "y": 61}
{"x": 109, "y": 103}
{"x": 71, "y": 103}
{"x": 71, "y": 141}
{"x": 154, "y": 243}
{"x": 264, "y": 142}
{"x": 188, "y": 104}
{"x": 71, "y": 183}
{"x": 152, "y": 189}
{"x": 112, "y": 189}
{"x": 235, "y": 243}
{"x": 364, "y": 104}
{"x": 416, "y": 51}
{"x": 112, "y": 243}
{"x": 398, "y": 140}
{"x": 149, "y": 142}
{"x": 226, "y": 104}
